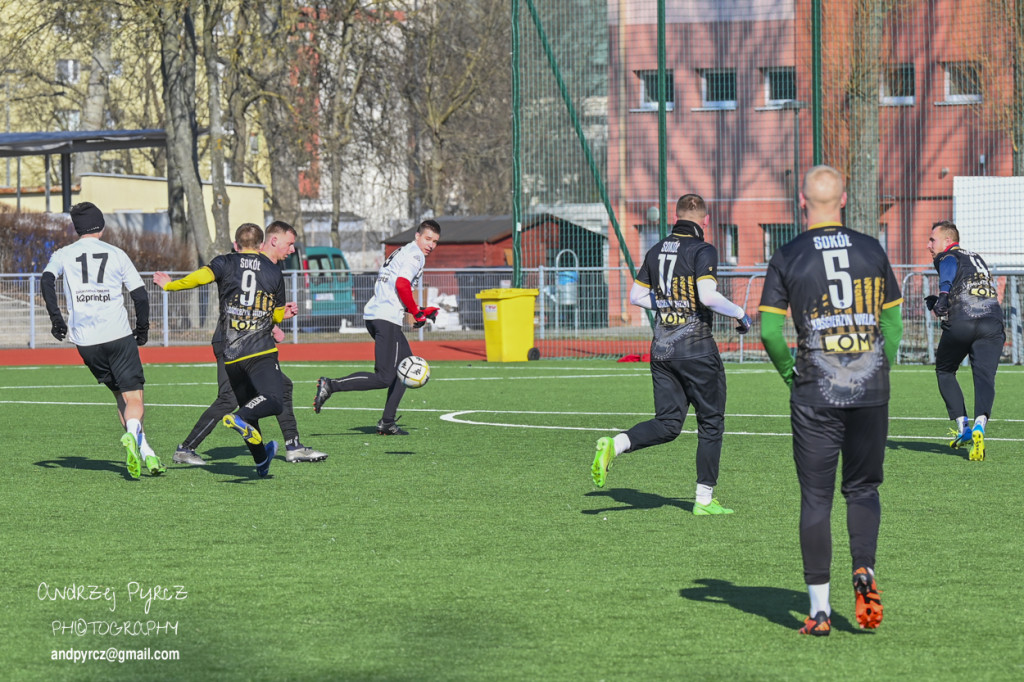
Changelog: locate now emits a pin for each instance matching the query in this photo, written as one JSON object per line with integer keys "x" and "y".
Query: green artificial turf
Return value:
{"x": 476, "y": 548}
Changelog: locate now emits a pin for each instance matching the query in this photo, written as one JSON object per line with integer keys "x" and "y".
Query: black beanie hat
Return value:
{"x": 86, "y": 218}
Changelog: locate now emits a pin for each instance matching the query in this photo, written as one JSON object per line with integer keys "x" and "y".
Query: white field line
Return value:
{"x": 457, "y": 417}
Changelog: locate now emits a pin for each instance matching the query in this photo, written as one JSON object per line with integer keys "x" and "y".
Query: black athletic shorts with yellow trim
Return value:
{"x": 115, "y": 364}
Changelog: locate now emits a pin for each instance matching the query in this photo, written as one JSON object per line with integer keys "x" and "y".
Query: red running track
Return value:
{"x": 319, "y": 352}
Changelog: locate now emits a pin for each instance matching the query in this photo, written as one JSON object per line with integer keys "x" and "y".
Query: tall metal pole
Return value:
{"x": 796, "y": 106}
{"x": 7, "y": 117}
{"x": 796, "y": 170}
{"x": 517, "y": 187}
{"x": 816, "y": 77}
{"x": 662, "y": 126}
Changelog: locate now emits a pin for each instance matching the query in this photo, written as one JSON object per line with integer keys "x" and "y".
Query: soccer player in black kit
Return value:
{"x": 678, "y": 280}
{"x": 846, "y": 309}
{"x": 252, "y": 300}
{"x": 972, "y": 324}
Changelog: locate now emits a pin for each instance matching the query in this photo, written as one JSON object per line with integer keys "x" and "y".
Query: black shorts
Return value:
{"x": 257, "y": 376}
{"x": 115, "y": 363}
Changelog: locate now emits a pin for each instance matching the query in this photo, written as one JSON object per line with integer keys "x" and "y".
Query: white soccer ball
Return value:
{"x": 414, "y": 371}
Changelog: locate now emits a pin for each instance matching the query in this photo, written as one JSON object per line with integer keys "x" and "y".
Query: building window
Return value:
{"x": 728, "y": 243}
{"x": 649, "y": 90}
{"x": 776, "y": 235}
{"x": 650, "y": 234}
{"x": 779, "y": 85}
{"x": 897, "y": 86}
{"x": 66, "y": 23}
{"x": 69, "y": 119}
{"x": 718, "y": 88}
{"x": 962, "y": 83}
{"x": 68, "y": 71}
{"x": 226, "y": 25}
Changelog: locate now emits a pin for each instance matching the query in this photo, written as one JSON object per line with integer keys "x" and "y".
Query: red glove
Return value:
{"x": 424, "y": 314}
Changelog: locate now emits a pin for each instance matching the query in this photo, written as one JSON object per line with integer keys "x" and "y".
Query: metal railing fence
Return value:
{"x": 576, "y": 312}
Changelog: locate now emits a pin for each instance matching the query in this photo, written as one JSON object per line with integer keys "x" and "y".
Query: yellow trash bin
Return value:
{"x": 508, "y": 324}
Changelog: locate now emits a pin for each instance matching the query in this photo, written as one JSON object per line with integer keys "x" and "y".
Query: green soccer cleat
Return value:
{"x": 708, "y": 509}
{"x": 959, "y": 438}
{"x": 977, "y": 453}
{"x": 236, "y": 423}
{"x": 154, "y": 465}
{"x": 132, "y": 459}
{"x": 602, "y": 460}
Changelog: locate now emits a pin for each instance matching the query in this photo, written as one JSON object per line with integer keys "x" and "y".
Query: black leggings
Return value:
{"x": 390, "y": 347}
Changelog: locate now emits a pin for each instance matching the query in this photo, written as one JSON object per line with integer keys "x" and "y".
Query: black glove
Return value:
{"x": 424, "y": 314}
{"x": 59, "y": 329}
{"x": 941, "y": 307}
{"x": 929, "y": 302}
{"x": 743, "y": 324}
{"x": 141, "y": 335}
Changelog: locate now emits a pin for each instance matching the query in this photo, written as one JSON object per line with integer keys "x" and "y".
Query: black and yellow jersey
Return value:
{"x": 251, "y": 288}
{"x": 671, "y": 270}
{"x": 972, "y": 294}
{"x": 837, "y": 282}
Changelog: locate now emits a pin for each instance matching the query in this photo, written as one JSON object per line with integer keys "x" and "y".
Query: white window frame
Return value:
{"x": 885, "y": 99}
{"x": 225, "y": 26}
{"x": 768, "y": 229}
{"x": 771, "y": 71}
{"x": 723, "y": 104}
{"x": 69, "y": 71}
{"x": 646, "y": 102}
{"x": 729, "y": 234}
{"x": 969, "y": 98}
{"x": 648, "y": 234}
{"x": 72, "y": 118}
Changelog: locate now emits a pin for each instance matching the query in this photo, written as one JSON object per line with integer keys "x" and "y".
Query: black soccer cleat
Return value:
{"x": 390, "y": 429}
{"x": 818, "y": 626}
{"x": 323, "y": 392}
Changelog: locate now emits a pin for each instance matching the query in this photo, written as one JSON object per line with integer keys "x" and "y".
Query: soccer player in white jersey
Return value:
{"x": 94, "y": 272}
{"x": 384, "y": 313}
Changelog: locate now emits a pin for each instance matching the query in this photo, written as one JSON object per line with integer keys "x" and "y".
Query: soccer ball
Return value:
{"x": 414, "y": 371}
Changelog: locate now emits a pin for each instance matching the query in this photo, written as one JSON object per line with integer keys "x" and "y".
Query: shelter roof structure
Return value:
{"x": 68, "y": 142}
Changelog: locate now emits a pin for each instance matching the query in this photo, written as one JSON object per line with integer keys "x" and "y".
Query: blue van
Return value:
{"x": 325, "y": 294}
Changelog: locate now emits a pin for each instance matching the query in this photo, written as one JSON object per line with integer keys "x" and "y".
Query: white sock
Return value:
{"x": 134, "y": 427}
{"x": 979, "y": 421}
{"x": 621, "y": 443}
{"x": 819, "y": 599}
{"x": 144, "y": 446}
{"x": 961, "y": 424}
{"x": 704, "y": 493}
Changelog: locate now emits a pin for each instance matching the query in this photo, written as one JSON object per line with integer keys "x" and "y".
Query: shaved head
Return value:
{"x": 823, "y": 186}
{"x": 823, "y": 194}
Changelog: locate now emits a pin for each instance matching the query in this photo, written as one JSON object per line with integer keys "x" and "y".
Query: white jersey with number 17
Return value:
{"x": 94, "y": 273}
{"x": 406, "y": 262}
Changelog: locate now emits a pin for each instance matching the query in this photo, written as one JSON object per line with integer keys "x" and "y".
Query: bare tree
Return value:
{"x": 174, "y": 20}
{"x": 286, "y": 129}
{"x": 1010, "y": 17}
{"x": 95, "y": 109}
{"x": 356, "y": 48}
{"x": 213, "y": 16}
{"x": 456, "y": 75}
{"x": 865, "y": 72}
